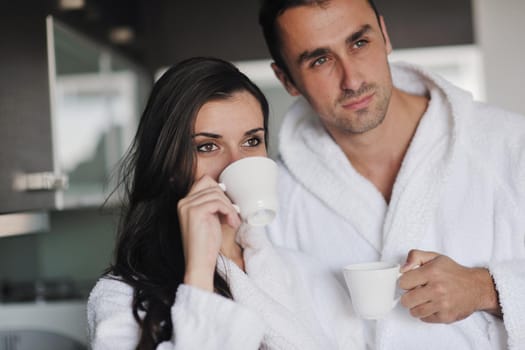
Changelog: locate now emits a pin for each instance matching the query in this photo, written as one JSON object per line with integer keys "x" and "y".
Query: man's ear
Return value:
{"x": 285, "y": 80}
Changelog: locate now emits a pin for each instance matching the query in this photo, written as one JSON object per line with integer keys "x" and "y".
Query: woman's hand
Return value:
{"x": 200, "y": 215}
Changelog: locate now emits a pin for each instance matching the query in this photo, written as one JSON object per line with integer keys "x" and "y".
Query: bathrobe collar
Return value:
{"x": 318, "y": 163}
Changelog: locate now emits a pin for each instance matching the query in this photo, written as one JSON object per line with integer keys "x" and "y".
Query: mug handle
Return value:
{"x": 396, "y": 300}
{"x": 222, "y": 186}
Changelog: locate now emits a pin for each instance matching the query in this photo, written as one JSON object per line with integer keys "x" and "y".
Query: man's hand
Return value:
{"x": 442, "y": 291}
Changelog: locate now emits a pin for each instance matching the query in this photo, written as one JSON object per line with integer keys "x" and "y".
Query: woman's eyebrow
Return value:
{"x": 217, "y": 136}
{"x": 253, "y": 131}
{"x": 207, "y": 134}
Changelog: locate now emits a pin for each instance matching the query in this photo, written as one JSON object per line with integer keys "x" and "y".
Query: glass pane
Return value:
{"x": 97, "y": 103}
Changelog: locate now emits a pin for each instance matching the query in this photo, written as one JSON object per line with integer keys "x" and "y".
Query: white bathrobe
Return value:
{"x": 460, "y": 192}
{"x": 279, "y": 304}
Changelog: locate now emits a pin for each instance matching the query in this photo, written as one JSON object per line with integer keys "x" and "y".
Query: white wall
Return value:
{"x": 499, "y": 29}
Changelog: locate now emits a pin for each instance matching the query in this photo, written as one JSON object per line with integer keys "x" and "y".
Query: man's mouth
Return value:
{"x": 359, "y": 103}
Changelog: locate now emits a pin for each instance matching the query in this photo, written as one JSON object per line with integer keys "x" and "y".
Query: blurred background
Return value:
{"x": 74, "y": 77}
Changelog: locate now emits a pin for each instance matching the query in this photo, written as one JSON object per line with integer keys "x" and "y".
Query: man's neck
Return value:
{"x": 378, "y": 154}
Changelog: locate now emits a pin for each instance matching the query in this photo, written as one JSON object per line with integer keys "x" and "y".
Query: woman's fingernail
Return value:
{"x": 222, "y": 186}
{"x": 237, "y": 209}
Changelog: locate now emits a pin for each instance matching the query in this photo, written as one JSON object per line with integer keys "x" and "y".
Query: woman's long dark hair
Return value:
{"x": 155, "y": 174}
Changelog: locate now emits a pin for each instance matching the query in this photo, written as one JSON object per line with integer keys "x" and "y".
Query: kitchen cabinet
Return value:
{"x": 68, "y": 111}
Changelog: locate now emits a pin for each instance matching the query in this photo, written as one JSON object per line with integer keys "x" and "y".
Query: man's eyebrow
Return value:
{"x": 356, "y": 35}
{"x": 207, "y": 134}
{"x": 308, "y": 55}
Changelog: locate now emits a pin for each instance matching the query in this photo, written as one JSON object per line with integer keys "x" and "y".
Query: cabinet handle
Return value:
{"x": 44, "y": 181}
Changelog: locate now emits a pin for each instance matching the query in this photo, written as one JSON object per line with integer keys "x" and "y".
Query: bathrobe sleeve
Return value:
{"x": 509, "y": 273}
{"x": 201, "y": 320}
{"x": 509, "y": 277}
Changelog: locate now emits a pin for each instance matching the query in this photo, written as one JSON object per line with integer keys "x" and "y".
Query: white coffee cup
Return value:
{"x": 251, "y": 184}
{"x": 372, "y": 288}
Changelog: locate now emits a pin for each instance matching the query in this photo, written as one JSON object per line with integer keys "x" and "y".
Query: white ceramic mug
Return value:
{"x": 372, "y": 288}
{"x": 251, "y": 184}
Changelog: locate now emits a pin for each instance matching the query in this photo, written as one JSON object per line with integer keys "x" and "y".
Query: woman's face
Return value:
{"x": 227, "y": 130}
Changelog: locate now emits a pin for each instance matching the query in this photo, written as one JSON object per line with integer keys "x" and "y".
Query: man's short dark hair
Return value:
{"x": 268, "y": 13}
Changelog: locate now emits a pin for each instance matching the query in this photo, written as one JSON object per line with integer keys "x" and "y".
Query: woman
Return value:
{"x": 177, "y": 261}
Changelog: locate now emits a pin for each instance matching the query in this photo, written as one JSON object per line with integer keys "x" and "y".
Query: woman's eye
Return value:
{"x": 253, "y": 142}
{"x": 207, "y": 147}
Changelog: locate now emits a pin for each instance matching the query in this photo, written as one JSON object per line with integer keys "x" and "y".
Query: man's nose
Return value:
{"x": 350, "y": 76}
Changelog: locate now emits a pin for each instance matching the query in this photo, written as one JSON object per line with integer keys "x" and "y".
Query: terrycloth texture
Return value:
{"x": 280, "y": 304}
{"x": 460, "y": 191}
{"x": 304, "y": 296}
{"x": 199, "y": 320}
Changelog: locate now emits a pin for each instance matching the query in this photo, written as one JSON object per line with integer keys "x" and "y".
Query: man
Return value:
{"x": 389, "y": 162}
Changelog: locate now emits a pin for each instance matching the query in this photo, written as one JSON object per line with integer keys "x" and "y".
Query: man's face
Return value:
{"x": 337, "y": 59}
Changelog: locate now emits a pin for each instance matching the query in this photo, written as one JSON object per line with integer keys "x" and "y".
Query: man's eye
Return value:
{"x": 253, "y": 142}
{"x": 207, "y": 147}
{"x": 320, "y": 61}
{"x": 360, "y": 43}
